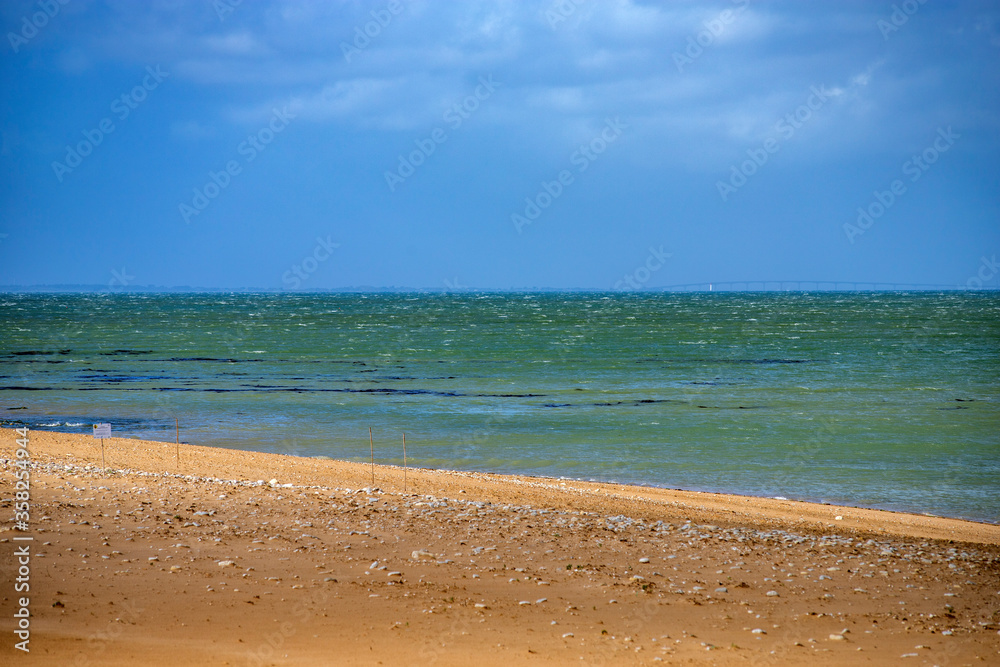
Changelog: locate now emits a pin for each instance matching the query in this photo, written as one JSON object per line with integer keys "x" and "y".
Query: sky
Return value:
{"x": 613, "y": 145}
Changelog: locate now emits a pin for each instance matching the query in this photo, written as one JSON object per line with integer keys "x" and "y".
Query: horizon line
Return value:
{"x": 705, "y": 286}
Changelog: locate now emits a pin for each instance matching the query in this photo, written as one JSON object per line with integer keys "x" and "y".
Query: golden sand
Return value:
{"x": 245, "y": 558}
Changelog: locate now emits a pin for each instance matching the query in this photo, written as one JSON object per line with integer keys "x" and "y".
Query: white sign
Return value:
{"x": 102, "y": 430}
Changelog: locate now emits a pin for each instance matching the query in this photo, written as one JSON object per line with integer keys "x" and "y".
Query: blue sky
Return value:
{"x": 619, "y": 144}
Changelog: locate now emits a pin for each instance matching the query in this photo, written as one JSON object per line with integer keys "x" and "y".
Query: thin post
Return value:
{"x": 404, "y": 463}
{"x": 103, "y": 464}
{"x": 177, "y": 432}
{"x": 371, "y": 443}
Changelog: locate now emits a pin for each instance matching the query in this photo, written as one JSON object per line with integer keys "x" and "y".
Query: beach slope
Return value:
{"x": 195, "y": 555}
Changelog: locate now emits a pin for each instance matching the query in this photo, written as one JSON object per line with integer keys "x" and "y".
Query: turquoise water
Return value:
{"x": 875, "y": 399}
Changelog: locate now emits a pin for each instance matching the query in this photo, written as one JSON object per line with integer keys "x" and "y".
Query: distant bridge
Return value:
{"x": 805, "y": 286}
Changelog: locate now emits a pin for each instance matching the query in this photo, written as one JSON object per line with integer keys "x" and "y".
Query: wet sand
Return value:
{"x": 243, "y": 558}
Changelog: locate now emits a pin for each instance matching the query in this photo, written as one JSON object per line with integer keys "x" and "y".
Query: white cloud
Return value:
{"x": 611, "y": 58}
{"x": 864, "y": 78}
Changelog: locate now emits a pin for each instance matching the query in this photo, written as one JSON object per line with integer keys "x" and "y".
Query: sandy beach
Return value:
{"x": 243, "y": 558}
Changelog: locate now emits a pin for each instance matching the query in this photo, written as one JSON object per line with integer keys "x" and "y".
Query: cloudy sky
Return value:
{"x": 498, "y": 144}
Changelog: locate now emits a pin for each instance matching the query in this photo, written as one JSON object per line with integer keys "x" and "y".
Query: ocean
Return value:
{"x": 874, "y": 399}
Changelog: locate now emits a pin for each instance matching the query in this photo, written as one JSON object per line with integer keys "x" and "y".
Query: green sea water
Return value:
{"x": 887, "y": 400}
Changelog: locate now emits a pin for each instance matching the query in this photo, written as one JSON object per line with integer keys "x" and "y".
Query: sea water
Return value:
{"x": 888, "y": 400}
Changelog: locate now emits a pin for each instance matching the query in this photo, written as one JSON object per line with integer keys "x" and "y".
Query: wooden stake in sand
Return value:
{"x": 177, "y": 432}
{"x": 371, "y": 443}
{"x": 404, "y": 463}
{"x": 102, "y": 431}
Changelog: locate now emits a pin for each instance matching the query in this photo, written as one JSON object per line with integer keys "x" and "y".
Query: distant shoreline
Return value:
{"x": 688, "y": 288}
